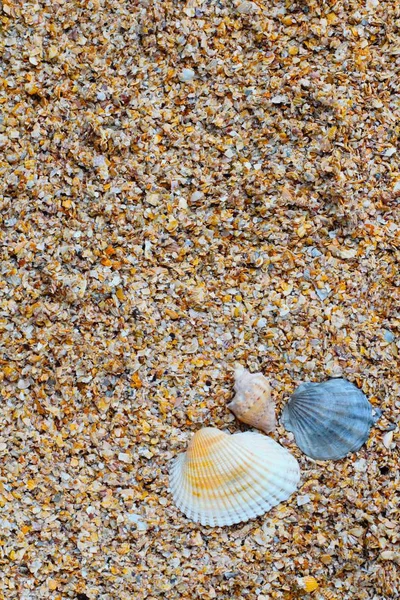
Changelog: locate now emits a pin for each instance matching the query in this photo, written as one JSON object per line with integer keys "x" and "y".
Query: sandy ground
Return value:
{"x": 186, "y": 186}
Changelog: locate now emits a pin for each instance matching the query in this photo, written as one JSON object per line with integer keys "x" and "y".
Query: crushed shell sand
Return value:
{"x": 185, "y": 186}
{"x": 309, "y": 584}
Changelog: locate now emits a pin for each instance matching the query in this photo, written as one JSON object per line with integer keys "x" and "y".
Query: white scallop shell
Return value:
{"x": 224, "y": 479}
{"x": 252, "y": 403}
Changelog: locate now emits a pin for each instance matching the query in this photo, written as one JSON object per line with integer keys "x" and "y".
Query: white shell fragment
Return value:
{"x": 329, "y": 419}
{"x": 186, "y": 75}
{"x": 252, "y": 403}
{"x": 224, "y": 479}
{"x": 387, "y": 439}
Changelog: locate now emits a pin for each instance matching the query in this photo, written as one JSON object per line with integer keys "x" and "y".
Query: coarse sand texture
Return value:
{"x": 188, "y": 186}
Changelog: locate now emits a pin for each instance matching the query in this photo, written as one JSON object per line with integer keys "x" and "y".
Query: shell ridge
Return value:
{"x": 339, "y": 438}
{"x": 267, "y": 497}
{"x": 190, "y": 463}
{"x": 329, "y": 424}
{"x": 176, "y": 478}
{"x": 259, "y": 475}
{"x": 227, "y": 499}
{"x": 255, "y": 506}
{"x": 362, "y": 403}
{"x": 328, "y": 419}
{"x": 305, "y": 437}
{"x": 249, "y": 456}
{"x": 223, "y": 502}
{"x": 208, "y": 517}
{"x": 281, "y": 453}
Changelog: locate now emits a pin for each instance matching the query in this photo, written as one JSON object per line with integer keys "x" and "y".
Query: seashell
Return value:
{"x": 387, "y": 439}
{"x": 224, "y": 479}
{"x": 329, "y": 419}
{"x": 252, "y": 403}
{"x": 308, "y": 583}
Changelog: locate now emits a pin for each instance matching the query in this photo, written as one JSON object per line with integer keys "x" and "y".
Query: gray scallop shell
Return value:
{"x": 329, "y": 419}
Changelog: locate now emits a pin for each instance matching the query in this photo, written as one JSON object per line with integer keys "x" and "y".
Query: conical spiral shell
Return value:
{"x": 252, "y": 403}
{"x": 329, "y": 419}
{"x": 224, "y": 479}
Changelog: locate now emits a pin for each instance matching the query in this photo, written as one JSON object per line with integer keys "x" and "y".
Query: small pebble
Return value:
{"x": 360, "y": 465}
{"x": 387, "y": 439}
{"x": 124, "y": 457}
{"x": 196, "y": 196}
{"x": 301, "y": 500}
{"x": 186, "y": 75}
{"x": 388, "y": 336}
